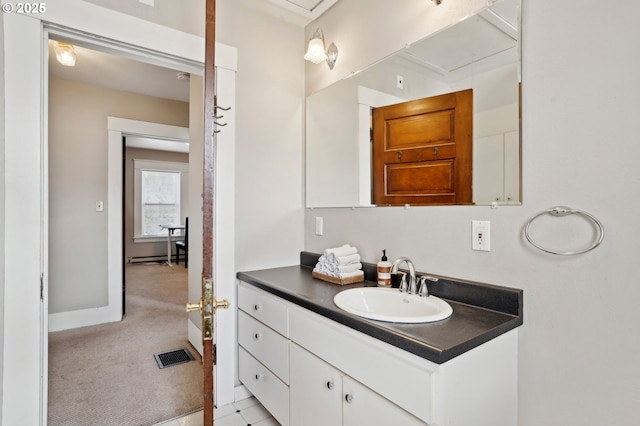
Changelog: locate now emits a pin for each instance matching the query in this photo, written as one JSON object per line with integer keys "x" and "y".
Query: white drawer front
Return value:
{"x": 269, "y": 347}
{"x": 393, "y": 373}
{"x": 266, "y": 308}
{"x": 265, "y": 386}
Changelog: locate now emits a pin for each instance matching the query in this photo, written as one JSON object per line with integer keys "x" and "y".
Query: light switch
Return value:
{"x": 319, "y": 226}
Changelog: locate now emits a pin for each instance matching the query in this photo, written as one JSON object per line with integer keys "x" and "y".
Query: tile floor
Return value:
{"x": 242, "y": 413}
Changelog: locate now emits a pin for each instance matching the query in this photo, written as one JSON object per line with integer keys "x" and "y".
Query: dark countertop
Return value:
{"x": 481, "y": 312}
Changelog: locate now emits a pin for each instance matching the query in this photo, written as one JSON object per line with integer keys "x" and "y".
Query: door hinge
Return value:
{"x": 215, "y": 354}
{"x": 42, "y": 286}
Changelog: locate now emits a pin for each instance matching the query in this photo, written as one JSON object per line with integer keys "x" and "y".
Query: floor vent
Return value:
{"x": 168, "y": 359}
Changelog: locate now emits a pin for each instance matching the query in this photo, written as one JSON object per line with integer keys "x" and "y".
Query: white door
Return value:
{"x": 224, "y": 229}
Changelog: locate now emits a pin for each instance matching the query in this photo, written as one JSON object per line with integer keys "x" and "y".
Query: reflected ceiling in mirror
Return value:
{"x": 481, "y": 52}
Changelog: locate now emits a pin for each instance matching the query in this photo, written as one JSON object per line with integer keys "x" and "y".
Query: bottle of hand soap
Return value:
{"x": 384, "y": 271}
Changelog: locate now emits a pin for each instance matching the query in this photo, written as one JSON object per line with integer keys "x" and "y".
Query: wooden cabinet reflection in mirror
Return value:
{"x": 422, "y": 151}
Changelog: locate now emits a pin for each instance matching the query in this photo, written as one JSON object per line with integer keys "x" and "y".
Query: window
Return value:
{"x": 159, "y": 195}
{"x": 160, "y": 204}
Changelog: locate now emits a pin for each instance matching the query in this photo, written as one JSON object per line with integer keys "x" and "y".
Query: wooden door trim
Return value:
{"x": 208, "y": 196}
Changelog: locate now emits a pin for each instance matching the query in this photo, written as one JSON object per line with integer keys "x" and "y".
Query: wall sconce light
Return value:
{"x": 316, "y": 52}
{"x": 65, "y": 53}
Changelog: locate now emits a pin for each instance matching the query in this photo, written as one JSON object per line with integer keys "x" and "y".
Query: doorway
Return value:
{"x": 26, "y": 199}
{"x": 99, "y": 148}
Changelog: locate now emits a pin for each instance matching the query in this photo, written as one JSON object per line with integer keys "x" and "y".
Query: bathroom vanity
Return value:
{"x": 311, "y": 363}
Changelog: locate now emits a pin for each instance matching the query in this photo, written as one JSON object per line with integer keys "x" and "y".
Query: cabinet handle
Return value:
{"x": 258, "y": 376}
{"x": 330, "y": 384}
{"x": 349, "y": 398}
{"x": 256, "y": 307}
{"x": 257, "y": 335}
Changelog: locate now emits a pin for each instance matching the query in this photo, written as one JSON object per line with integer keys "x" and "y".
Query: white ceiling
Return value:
{"x": 490, "y": 36}
{"x": 119, "y": 73}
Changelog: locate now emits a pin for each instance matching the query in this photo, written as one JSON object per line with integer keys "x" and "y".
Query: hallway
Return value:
{"x": 107, "y": 374}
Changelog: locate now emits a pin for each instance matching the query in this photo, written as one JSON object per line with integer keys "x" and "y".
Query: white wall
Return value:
{"x": 269, "y": 131}
{"x": 578, "y": 345}
{"x": 78, "y": 178}
{"x": 270, "y": 119}
{"x": 180, "y": 15}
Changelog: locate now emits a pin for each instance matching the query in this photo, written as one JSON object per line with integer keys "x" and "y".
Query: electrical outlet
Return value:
{"x": 481, "y": 235}
{"x": 319, "y": 226}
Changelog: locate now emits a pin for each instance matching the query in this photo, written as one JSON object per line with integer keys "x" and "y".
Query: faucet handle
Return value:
{"x": 424, "y": 291}
{"x": 403, "y": 282}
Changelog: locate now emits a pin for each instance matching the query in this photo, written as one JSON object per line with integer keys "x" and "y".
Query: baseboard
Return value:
{"x": 153, "y": 259}
{"x": 240, "y": 392}
{"x": 81, "y": 318}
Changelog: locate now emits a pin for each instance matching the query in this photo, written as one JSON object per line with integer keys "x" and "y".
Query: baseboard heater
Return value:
{"x": 143, "y": 259}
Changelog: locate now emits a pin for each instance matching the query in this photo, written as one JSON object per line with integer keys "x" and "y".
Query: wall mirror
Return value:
{"x": 481, "y": 52}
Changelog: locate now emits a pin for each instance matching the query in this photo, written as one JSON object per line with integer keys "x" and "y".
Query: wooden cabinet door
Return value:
{"x": 315, "y": 390}
{"x": 422, "y": 151}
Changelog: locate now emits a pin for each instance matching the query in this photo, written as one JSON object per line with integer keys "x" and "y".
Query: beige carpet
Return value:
{"x": 107, "y": 374}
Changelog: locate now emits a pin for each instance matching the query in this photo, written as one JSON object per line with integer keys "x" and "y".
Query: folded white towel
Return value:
{"x": 349, "y": 274}
{"x": 344, "y": 268}
{"x": 345, "y": 260}
{"x": 337, "y": 249}
{"x": 333, "y": 253}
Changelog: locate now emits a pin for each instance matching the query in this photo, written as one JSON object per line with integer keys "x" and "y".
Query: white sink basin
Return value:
{"x": 389, "y": 304}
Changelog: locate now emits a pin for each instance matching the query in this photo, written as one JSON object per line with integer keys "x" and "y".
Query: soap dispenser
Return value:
{"x": 384, "y": 271}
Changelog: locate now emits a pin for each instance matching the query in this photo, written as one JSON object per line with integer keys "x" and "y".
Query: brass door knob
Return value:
{"x": 193, "y": 307}
{"x": 220, "y": 304}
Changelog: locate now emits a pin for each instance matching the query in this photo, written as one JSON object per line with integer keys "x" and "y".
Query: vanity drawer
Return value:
{"x": 265, "y": 345}
{"x": 373, "y": 363}
{"x": 264, "y": 307}
{"x": 272, "y": 393}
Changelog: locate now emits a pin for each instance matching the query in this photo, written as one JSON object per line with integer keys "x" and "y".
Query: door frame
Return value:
{"x": 24, "y": 369}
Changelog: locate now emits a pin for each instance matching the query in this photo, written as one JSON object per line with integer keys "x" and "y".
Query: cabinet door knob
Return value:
{"x": 258, "y": 376}
{"x": 257, "y": 335}
{"x": 256, "y": 307}
{"x": 349, "y": 398}
{"x": 330, "y": 384}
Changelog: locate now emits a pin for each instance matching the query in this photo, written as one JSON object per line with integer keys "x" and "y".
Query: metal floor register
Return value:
{"x": 168, "y": 359}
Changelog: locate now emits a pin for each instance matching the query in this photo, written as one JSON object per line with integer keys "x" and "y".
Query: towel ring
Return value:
{"x": 564, "y": 211}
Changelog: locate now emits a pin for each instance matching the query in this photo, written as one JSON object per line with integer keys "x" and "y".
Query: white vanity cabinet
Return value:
{"x": 339, "y": 376}
{"x": 321, "y": 395}
{"x": 263, "y": 353}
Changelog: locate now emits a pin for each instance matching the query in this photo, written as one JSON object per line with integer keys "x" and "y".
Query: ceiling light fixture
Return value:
{"x": 316, "y": 52}
{"x": 65, "y": 53}
{"x": 437, "y": 2}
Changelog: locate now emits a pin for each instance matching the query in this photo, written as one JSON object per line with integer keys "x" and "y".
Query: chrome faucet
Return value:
{"x": 412, "y": 274}
{"x": 423, "y": 290}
